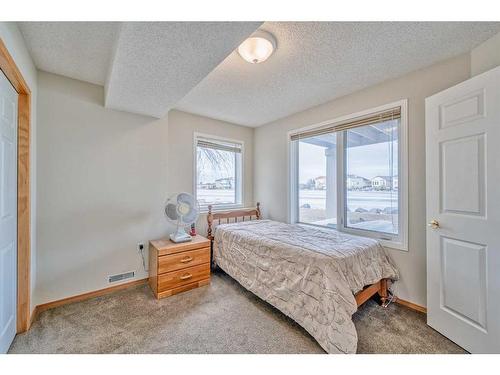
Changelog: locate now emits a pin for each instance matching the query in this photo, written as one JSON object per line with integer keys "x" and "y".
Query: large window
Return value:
{"x": 351, "y": 175}
{"x": 218, "y": 169}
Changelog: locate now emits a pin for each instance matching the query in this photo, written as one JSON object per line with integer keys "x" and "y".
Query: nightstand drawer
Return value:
{"x": 182, "y": 277}
{"x": 174, "y": 262}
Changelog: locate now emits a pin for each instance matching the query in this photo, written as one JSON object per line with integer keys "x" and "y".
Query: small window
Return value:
{"x": 218, "y": 180}
{"x": 350, "y": 175}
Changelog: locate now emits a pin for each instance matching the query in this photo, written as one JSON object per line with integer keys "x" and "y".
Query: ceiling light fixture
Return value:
{"x": 258, "y": 47}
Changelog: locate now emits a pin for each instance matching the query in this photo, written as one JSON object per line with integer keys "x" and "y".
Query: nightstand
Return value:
{"x": 178, "y": 267}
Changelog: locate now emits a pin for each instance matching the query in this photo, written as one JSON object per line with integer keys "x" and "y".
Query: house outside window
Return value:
{"x": 351, "y": 175}
{"x": 218, "y": 172}
{"x": 382, "y": 182}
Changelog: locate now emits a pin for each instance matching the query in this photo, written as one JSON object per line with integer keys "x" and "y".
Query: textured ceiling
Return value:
{"x": 157, "y": 63}
{"x": 318, "y": 61}
{"x": 146, "y": 67}
{"x": 149, "y": 68}
{"x": 80, "y": 50}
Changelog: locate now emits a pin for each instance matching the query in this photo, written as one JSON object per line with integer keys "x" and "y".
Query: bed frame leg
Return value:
{"x": 383, "y": 291}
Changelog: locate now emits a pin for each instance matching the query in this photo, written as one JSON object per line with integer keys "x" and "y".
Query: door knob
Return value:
{"x": 434, "y": 224}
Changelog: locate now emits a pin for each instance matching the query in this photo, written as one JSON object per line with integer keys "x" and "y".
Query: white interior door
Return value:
{"x": 463, "y": 197}
{"x": 8, "y": 212}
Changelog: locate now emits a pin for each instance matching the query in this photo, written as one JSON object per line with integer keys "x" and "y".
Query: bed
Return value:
{"x": 318, "y": 277}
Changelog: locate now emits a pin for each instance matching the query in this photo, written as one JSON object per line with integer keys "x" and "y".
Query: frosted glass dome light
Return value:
{"x": 257, "y": 48}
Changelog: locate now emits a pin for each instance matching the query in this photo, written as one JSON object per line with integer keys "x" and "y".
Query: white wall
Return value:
{"x": 103, "y": 178}
{"x": 14, "y": 42}
{"x": 104, "y": 174}
{"x": 486, "y": 56}
{"x": 182, "y": 127}
{"x": 270, "y": 143}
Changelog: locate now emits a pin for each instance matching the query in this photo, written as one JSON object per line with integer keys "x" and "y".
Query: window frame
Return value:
{"x": 239, "y": 172}
{"x": 399, "y": 242}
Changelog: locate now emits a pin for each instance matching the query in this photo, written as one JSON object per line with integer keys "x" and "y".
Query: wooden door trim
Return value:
{"x": 13, "y": 74}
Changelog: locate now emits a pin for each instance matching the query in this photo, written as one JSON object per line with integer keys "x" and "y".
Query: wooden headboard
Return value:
{"x": 215, "y": 218}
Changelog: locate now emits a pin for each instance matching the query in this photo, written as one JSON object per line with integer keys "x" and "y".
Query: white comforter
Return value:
{"x": 309, "y": 274}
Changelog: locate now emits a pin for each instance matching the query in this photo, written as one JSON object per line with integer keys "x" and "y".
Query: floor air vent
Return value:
{"x": 122, "y": 276}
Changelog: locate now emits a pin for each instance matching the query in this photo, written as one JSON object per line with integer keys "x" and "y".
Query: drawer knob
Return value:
{"x": 186, "y": 259}
{"x": 186, "y": 276}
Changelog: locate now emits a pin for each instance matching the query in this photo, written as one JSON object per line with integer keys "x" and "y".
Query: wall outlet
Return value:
{"x": 140, "y": 246}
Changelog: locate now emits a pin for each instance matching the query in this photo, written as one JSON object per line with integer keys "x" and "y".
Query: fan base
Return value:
{"x": 180, "y": 237}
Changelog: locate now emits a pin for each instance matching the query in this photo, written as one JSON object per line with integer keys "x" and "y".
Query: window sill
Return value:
{"x": 393, "y": 245}
{"x": 388, "y": 244}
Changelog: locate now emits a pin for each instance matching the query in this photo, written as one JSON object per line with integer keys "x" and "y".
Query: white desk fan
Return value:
{"x": 183, "y": 210}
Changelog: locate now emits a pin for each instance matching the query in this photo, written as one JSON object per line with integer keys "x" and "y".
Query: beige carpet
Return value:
{"x": 220, "y": 318}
